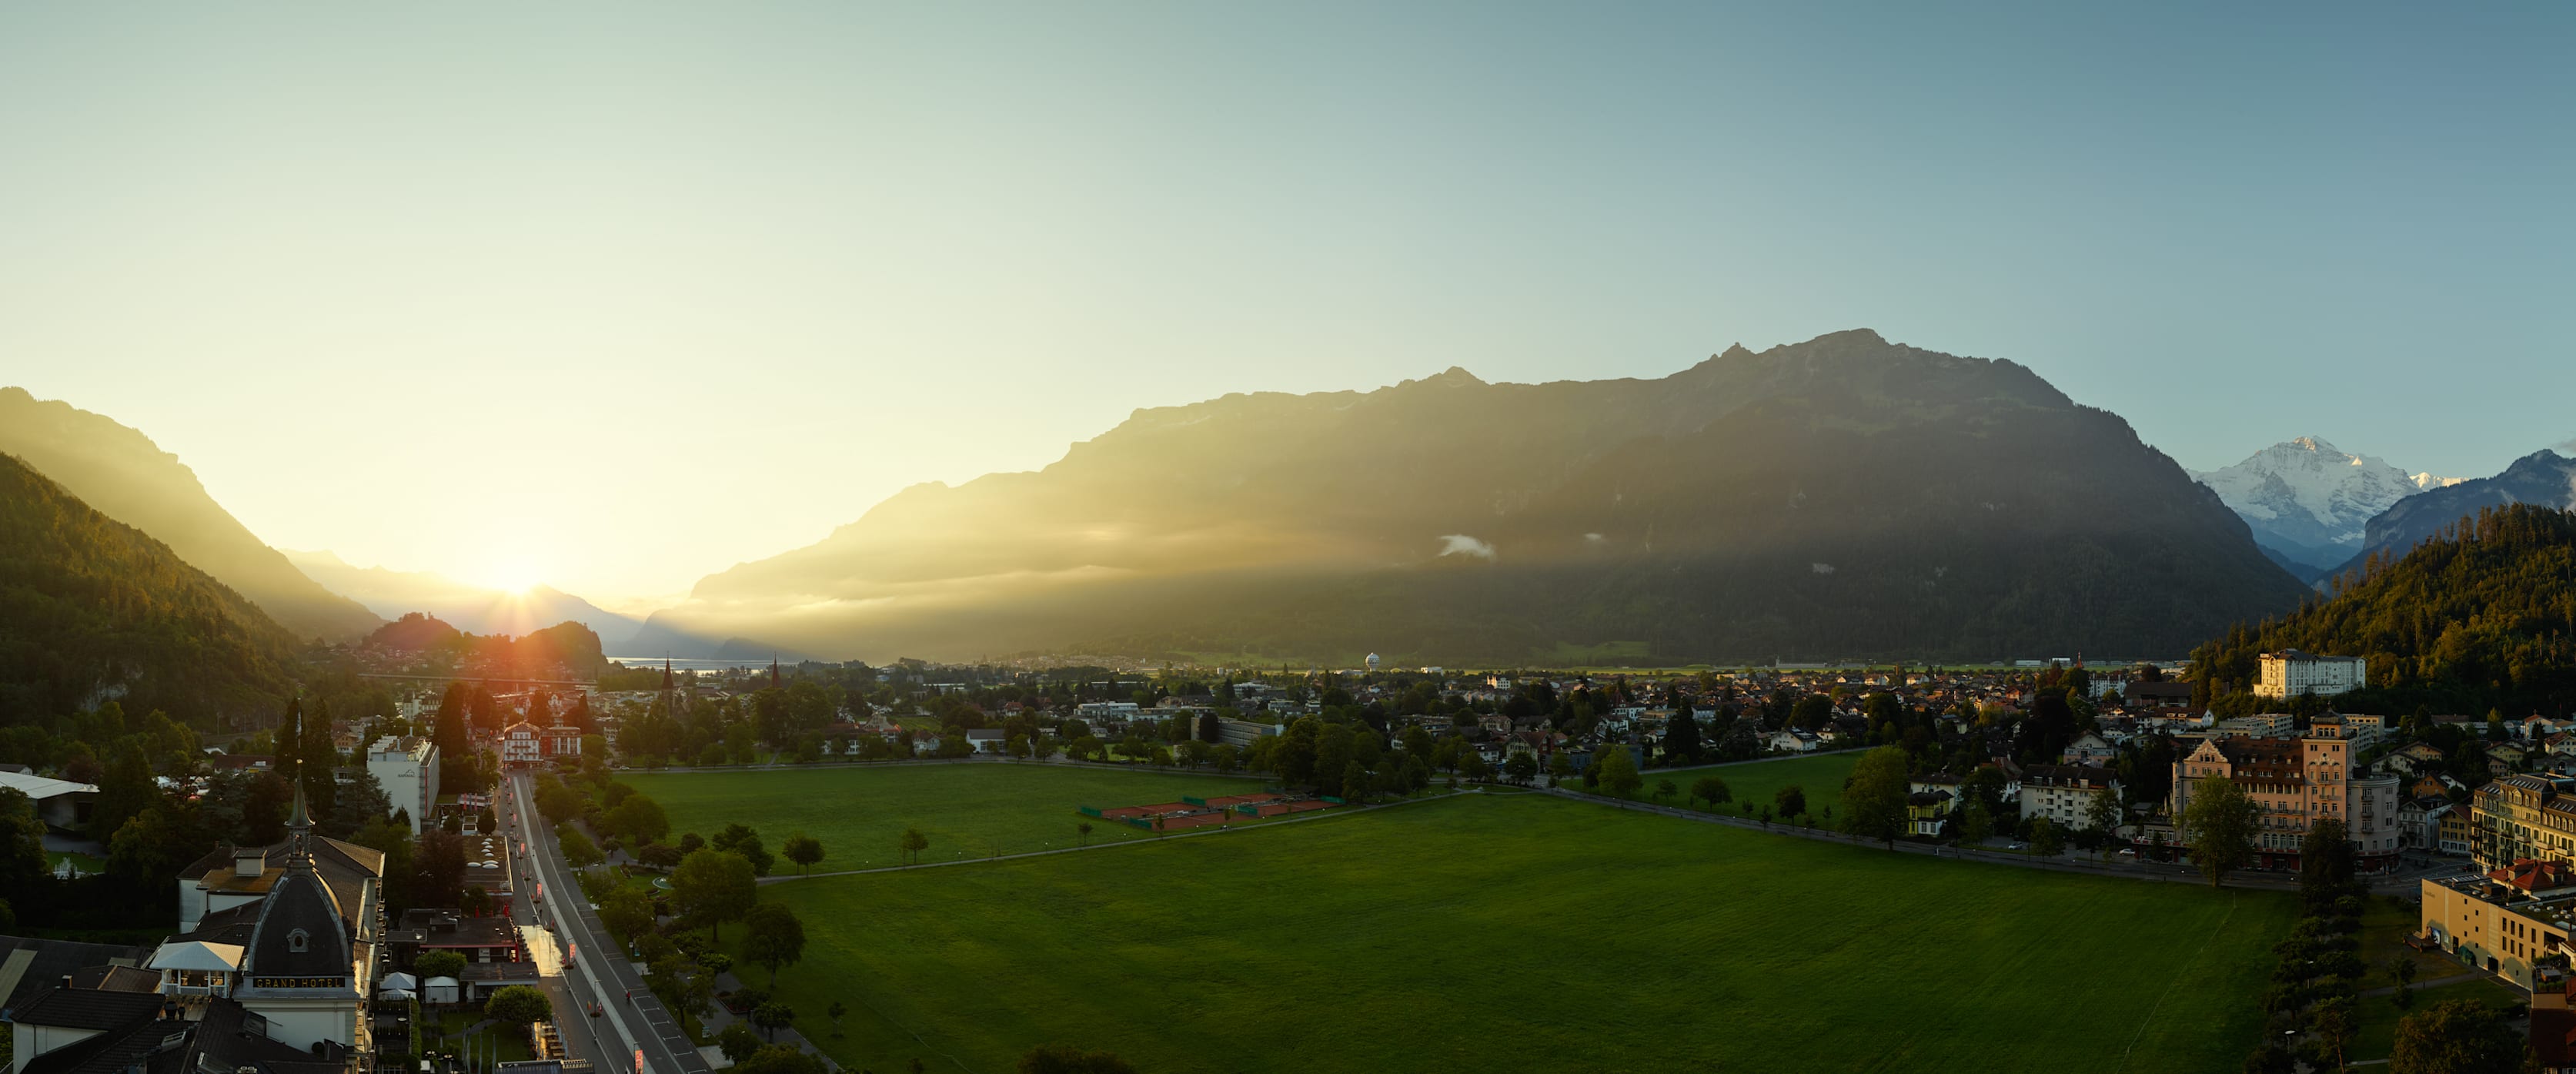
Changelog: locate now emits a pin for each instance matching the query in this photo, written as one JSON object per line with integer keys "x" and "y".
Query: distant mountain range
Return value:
{"x": 122, "y": 474}
{"x": 2309, "y": 503}
{"x": 2543, "y": 478}
{"x": 1840, "y": 497}
{"x": 470, "y": 608}
{"x": 93, "y": 610}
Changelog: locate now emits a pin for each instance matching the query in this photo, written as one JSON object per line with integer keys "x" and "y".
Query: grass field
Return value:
{"x": 2379, "y": 1014}
{"x": 1525, "y": 932}
{"x": 967, "y": 810}
{"x": 1820, "y": 777}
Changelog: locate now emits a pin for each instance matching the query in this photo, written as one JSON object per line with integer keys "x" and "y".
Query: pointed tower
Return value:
{"x": 773, "y": 671}
{"x": 300, "y": 971}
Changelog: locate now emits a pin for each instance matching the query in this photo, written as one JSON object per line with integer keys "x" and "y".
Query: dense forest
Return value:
{"x": 2481, "y": 617}
{"x": 91, "y": 609}
{"x": 566, "y": 647}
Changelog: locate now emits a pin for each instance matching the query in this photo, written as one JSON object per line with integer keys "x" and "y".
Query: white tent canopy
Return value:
{"x": 399, "y": 980}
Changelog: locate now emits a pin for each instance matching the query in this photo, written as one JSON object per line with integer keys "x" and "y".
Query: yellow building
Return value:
{"x": 2297, "y": 782}
{"x": 2505, "y": 923}
{"x": 2522, "y": 817}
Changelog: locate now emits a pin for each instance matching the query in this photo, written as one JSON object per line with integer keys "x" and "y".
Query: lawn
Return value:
{"x": 968, "y": 810}
{"x": 1526, "y": 932}
{"x": 2379, "y": 1014}
{"x": 1758, "y": 782}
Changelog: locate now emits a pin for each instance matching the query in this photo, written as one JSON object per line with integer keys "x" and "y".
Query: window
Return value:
{"x": 298, "y": 941}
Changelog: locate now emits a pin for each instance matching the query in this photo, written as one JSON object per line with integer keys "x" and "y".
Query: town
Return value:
{"x": 419, "y": 880}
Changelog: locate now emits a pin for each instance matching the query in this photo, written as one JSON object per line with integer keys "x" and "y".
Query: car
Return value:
{"x": 2128, "y": 853}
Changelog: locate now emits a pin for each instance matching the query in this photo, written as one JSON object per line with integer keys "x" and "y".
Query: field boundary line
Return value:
{"x": 2212, "y": 938}
{"x": 1329, "y": 814}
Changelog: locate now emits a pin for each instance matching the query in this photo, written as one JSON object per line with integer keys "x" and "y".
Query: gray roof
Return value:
{"x": 29, "y": 966}
{"x": 302, "y": 905}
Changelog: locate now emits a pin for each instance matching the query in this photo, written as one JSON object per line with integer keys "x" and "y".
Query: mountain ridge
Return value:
{"x": 1314, "y": 524}
{"x": 2309, "y": 502}
{"x": 118, "y": 471}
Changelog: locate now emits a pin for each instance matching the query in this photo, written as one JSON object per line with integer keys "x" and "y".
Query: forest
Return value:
{"x": 2479, "y": 618}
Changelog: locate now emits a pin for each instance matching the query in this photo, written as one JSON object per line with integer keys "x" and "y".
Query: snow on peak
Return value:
{"x": 2309, "y": 498}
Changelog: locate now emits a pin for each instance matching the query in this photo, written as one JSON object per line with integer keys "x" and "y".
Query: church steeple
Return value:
{"x": 773, "y": 671}
{"x": 299, "y": 833}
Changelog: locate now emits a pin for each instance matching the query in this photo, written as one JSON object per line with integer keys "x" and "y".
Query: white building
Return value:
{"x": 407, "y": 769}
{"x": 2289, "y": 673}
{"x": 2064, "y": 793}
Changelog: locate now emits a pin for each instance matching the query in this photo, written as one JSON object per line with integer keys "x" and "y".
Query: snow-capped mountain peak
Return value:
{"x": 2309, "y": 501}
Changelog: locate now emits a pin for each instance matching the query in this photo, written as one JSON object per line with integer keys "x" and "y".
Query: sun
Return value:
{"x": 509, "y": 573}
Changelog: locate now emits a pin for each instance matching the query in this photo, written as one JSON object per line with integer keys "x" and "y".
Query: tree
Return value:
{"x": 1082, "y": 831}
{"x": 2325, "y": 865}
{"x": 713, "y": 887}
{"x": 802, "y": 849}
{"x": 737, "y": 1041}
{"x": 638, "y": 820}
{"x": 1791, "y": 799}
{"x": 1874, "y": 800}
{"x": 778, "y": 1059}
{"x": 1619, "y": 771}
{"x": 1975, "y": 824}
{"x": 2455, "y": 1036}
{"x": 2104, "y": 815}
{"x": 2219, "y": 824}
{"x": 1664, "y": 790}
{"x": 746, "y": 842}
{"x": 439, "y": 964}
{"x": 578, "y": 850}
{"x": 1522, "y": 767}
{"x": 2045, "y": 839}
{"x": 439, "y": 869}
{"x": 1681, "y": 738}
{"x": 1067, "y": 1059}
{"x": 911, "y": 843}
{"x": 1711, "y": 790}
{"x": 2402, "y": 968}
{"x": 518, "y": 1005}
{"x": 772, "y": 1017}
{"x": 772, "y": 937}
{"x": 626, "y": 911}
{"x": 2333, "y": 1026}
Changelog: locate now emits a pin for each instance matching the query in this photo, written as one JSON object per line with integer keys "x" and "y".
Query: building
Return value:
{"x": 1927, "y": 811}
{"x": 2290, "y": 673}
{"x": 1094, "y": 711}
{"x": 2505, "y": 921}
{"x": 407, "y": 769}
{"x": 2064, "y": 793}
{"x": 2297, "y": 782}
{"x": 1241, "y": 734}
{"x": 2523, "y": 817}
{"x": 60, "y": 803}
{"x": 527, "y": 743}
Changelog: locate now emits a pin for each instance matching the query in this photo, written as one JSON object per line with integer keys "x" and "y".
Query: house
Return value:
{"x": 2088, "y": 749}
{"x": 1791, "y": 740}
{"x": 988, "y": 741}
{"x": 527, "y": 743}
{"x": 2419, "y": 822}
{"x": 1926, "y": 812}
{"x": 2455, "y": 828}
{"x": 2512, "y": 755}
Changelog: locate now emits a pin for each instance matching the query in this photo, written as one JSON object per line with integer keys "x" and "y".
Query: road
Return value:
{"x": 633, "y": 1019}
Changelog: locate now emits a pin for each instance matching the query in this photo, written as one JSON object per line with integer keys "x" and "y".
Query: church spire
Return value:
{"x": 773, "y": 671}
{"x": 299, "y": 833}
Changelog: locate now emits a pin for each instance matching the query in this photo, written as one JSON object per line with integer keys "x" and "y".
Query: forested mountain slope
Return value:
{"x": 124, "y": 475}
{"x": 91, "y": 608}
{"x": 2479, "y": 618}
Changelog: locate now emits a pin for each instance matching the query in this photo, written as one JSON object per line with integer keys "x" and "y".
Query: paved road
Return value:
{"x": 599, "y": 970}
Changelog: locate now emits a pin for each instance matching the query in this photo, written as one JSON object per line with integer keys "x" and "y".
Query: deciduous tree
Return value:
{"x": 713, "y": 887}
{"x": 773, "y": 938}
{"x": 1874, "y": 800}
{"x": 2219, "y": 825}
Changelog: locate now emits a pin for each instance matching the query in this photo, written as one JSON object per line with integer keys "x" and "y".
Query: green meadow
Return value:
{"x": 1481, "y": 932}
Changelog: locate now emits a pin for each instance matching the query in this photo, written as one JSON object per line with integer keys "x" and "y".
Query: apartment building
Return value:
{"x": 2297, "y": 782}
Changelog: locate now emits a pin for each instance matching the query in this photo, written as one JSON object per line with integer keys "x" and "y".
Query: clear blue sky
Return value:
{"x": 381, "y": 274}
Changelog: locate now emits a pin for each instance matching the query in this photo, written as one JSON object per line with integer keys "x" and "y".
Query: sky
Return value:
{"x": 617, "y": 295}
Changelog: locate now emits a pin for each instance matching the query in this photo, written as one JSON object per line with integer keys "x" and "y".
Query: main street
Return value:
{"x": 598, "y": 971}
